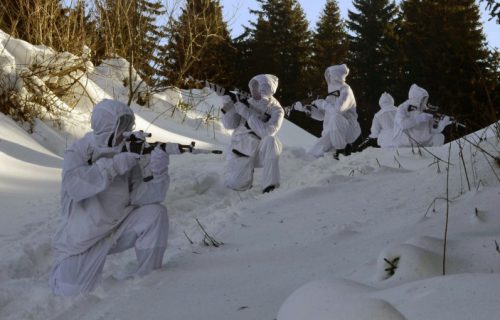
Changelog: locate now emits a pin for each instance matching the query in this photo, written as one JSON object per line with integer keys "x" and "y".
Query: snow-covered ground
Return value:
{"x": 358, "y": 238}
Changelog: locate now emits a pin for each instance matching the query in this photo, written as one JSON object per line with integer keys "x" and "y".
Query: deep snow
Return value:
{"x": 315, "y": 248}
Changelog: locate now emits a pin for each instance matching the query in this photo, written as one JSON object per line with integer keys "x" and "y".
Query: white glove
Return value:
{"x": 242, "y": 110}
{"x": 159, "y": 162}
{"x": 446, "y": 121}
{"x": 318, "y": 103}
{"x": 297, "y": 106}
{"x": 227, "y": 104}
{"x": 123, "y": 162}
{"x": 423, "y": 117}
{"x": 308, "y": 110}
{"x": 172, "y": 148}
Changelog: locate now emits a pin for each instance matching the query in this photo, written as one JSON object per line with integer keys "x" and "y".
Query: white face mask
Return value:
{"x": 423, "y": 104}
{"x": 254, "y": 90}
{"x": 125, "y": 124}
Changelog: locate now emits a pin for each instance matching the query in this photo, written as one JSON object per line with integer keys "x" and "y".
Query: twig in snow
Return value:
{"x": 208, "y": 240}
{"x": 400, "y": 166}
{"x": 461, "y": 155}
{"x": 393, "y": 265}
{"x": 189, "y": 239}
{"x": 433, "y": 203}
{"x": 447, "y": 209}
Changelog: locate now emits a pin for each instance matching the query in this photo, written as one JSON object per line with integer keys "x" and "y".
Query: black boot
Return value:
{"x": 337, "y": 153}
{"x": 346, "y": 151}
{"x": 269, "y": 189}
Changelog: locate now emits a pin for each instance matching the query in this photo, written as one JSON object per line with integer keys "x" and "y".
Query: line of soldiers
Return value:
{"x": 107, "y": 206}
{"x": 257, "y": 120}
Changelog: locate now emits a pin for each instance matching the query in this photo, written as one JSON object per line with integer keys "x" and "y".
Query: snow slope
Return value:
{"x": 315, "y": 248}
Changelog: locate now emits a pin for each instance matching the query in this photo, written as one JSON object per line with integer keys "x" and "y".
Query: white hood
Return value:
{"x": 268, "y": 84}
{"x": 418, "y": 96}
{"x": 335, "y": 76}
{"x": 105, "y": 119}
{"x": 386, "y": 102}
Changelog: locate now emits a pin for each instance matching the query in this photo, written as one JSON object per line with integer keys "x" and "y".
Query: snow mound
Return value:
{"x": 338, "y": 299}
{"x": 406, "y": 263}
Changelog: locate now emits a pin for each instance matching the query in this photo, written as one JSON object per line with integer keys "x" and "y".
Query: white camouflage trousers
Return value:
{"x": 145, "y": 229}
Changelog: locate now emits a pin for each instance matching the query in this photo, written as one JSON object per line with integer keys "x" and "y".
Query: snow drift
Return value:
{"x": 358, "y": 238}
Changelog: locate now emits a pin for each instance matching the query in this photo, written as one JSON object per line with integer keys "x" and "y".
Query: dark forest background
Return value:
{"x": 440, "y": 45}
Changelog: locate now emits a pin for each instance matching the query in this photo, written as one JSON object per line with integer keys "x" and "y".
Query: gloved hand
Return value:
{"x": 308, "y": 110}
{"x": 297, "y": 106}
{"x": 318, "y": 103}
{"x": 242, "y": 110}
{"x": 423, "y": 117}
{"x": 123, "y": 162}
{"x": 159, "y": 162}
{"x": 227, "y": 104}
{"x": 446, "y": 120}
{"x": 172, "y": 148}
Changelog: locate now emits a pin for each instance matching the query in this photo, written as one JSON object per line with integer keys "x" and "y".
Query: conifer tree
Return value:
{"x": 373, "y": 54}
{"x": 494, "y": 8}
{"x": 128, "y": 29}
{"x": 280, "y": 43}
{"x": 199, "y": 47}
{"x": 330, "y": 45}
{"x": 446, "y": 53}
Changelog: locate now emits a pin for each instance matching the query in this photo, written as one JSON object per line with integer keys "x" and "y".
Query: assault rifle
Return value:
{"x": 368, "y": 142}
{"x": 136, "y": 142}
{"x": 310, "y": 109}
{"x": 238, "y": 96}
{"x": 438, "y": 116}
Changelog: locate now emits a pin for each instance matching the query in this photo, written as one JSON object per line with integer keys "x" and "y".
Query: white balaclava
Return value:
{"x": 111, "y": 118}
{"x": 418, "y": 97}
{"x": 267, "y": 86}
{"x": 335, "y": 76}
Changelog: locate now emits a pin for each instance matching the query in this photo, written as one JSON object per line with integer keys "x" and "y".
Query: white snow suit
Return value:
{"x": 253, "y": 142}
{"x": 414, "y": 127}
{"x": 340, "y": 119}
{"x": 383, "y": 122}
{"x": 106, "y": 208}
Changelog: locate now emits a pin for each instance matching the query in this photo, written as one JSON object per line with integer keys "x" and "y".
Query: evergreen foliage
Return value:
{"x": 494, "y": 7}
{"x": 128, "y": 29}
{"x": 279, "y": 43}
{"x": 330, "y": 46}
{"x": 373, "y": 55}
{"x": 199, "y": 47}
{"x": 446, "y": 53}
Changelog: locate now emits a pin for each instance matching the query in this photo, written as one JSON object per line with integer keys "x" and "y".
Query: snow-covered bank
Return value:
{"x": 315, "y": 248}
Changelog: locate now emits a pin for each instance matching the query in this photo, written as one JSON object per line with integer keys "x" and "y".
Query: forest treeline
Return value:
{"x": 388, "y": 45}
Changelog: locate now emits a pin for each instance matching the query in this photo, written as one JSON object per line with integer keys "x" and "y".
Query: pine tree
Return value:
{"x": 373, "y": 54}
{"x": 280, "y": 43}
{"x": 148, "y": 45}
{"x": 199, "y": 47}
{"x": 128, "y": 29}
{"x": 446, "y": 53}
{"x": 330, "y": 45}
{"x": 494, "y": 7}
